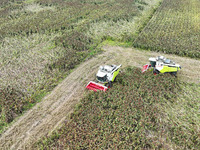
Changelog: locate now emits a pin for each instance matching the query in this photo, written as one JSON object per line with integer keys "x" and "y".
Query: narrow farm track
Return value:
{"x": 45, "y": 116}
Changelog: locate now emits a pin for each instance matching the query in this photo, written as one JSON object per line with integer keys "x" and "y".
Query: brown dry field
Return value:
{"x": 48, "y": 115}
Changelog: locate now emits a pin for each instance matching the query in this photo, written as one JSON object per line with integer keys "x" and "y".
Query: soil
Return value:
{"x": 48, "y": 115}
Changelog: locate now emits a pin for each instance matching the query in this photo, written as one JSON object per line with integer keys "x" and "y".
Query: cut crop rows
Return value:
{"x": 137, "y": 113}
{"x": 174, "y": 29}
{"x": 42, "y": 40}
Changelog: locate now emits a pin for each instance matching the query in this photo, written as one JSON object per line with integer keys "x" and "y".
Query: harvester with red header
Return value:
{"x": 161, "y": 64}
{"x": 105, "y": 76}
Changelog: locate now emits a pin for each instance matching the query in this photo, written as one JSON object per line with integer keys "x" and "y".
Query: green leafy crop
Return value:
{"x": 130, "y": 115}
{"x": 174, "y": 29}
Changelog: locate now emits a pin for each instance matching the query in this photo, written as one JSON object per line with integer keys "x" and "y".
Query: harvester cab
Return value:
{"x": 161, "y": 64}
{"x": 105, "y": 76}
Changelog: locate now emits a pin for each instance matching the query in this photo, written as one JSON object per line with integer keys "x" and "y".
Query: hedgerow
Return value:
{"x": 130, "y": 115}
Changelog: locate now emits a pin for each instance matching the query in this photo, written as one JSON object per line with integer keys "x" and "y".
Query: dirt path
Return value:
{"x": 43, "y": 118}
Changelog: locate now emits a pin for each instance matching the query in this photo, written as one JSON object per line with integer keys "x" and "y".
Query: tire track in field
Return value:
{"x": 47, "y": 115}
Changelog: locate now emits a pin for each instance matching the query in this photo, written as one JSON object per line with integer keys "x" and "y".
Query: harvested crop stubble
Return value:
{"x": 42, "y": 40}
{"x": 133, "y": 114}
{"x": 174, "y": 29}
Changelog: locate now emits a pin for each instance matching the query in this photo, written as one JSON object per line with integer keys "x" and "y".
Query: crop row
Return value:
{"x": 67, "y": 17}
{"x": 131, "y": 115}
{"x": 42, "y": 40}
{"x": 173, "y": 29}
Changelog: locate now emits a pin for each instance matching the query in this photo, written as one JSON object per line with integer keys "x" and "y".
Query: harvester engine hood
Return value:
{"x": 101, "y": 74}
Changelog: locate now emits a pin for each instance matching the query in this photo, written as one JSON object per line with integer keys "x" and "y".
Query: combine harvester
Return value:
{"x": 105, "y": 76}
{"x": 161, "y": 64}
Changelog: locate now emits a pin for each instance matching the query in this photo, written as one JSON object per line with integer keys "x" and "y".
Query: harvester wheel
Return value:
{"x": 174, "y": 73}
{"x": 155, "y": 71}
{"x": 110, "y": 84}
{"x": 115, "y": 79}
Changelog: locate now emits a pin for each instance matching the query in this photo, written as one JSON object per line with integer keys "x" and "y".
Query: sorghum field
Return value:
{"x": 174, "y": 29}
{"x": 141, "y": 111}
{"x": 42, "y": 40}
